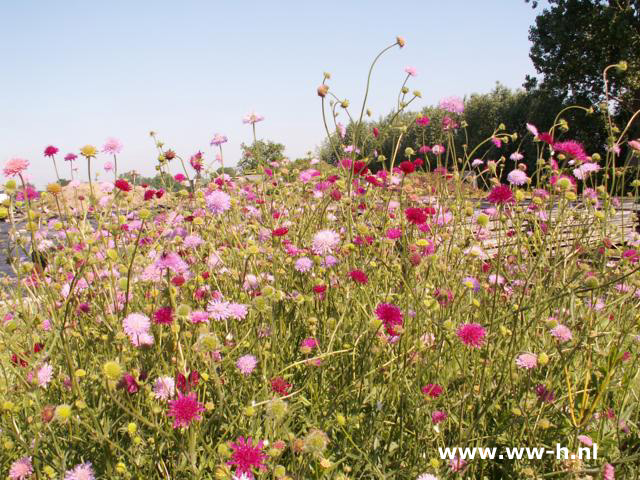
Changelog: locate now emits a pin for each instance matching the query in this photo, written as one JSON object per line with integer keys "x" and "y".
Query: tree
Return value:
{"x": 573, "y": 41}
{"x": 260, "y": 153}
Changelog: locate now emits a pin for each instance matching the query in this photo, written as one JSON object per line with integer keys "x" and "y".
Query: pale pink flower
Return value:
{"x": 45, "y": 375}
{"x": 252, "y": 118}
{"x": 411, "y": 71}
{"x": 527, "y": 360}
{"x": 517, "y": 177}
{"x": 608, "y": 472}
{"x": 112, "y": 146}
{"x": 218, "y": 201}
{"x": 452, "y": 104}
{"x": 246, "y": 364}
{"x": 164, "y": 388}
{"x": 15, "y": 166}
{"x": 21, "y": 469}
{"x": 218, "y": 139}
{"x": 585, "y": 440}
{"x": 562, "y": 333}
{"x": 324, "y": 242}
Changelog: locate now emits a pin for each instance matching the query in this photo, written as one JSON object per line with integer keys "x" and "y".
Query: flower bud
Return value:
{"x": 323, "y": 90}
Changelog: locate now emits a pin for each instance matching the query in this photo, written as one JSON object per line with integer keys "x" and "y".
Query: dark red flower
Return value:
{"x": 407, "y": 167}
{"x": 501, "y": 195}
{"x": 122, "y": 184}
{"x": 159, "y": 193}
{"x": 335, "y": 194}
{"x": 280, "y": 385}
{"x": 359, "y": 276}
{"x": 128, "y": 382}
{"x": 415, "y": 216}
{"x": 279, "y": 232}
{"x": 178, "y": 281}
{"x": 376, "y": 132}
{"x": 163, "y": 316}
{"x": 149, "y": 194}
{"x": 319, "y": 288}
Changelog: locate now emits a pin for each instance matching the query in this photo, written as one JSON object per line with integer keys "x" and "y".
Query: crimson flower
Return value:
{"x": 501, "y": 195}
{"x": 122, "y": 184}
{"x": 415, "y": 216}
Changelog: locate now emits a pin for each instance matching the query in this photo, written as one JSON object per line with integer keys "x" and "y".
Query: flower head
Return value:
{"x": 471, "y": 334}
{"x": 218, "y": 139}
{"x": 112, "y": 146}
{"x": 324, "y": 242}
{"x": 527, "y": 361}
{"x": 517, "y": 177}
{"x": 252, "y": 118}
{"x": 15, "y": 166}
{"x": 391, "y": 316}
{"x": 88, "y": 151}
{"x": 164, "y": 388}
{"x": 21, "y": 469}
{"x": 50, "y": 151}
{"x": 246, "y": 364}
{"x": 452, "y": 104}
{"x": 185, "y": 409}
{"x": 562, "y": 333}
{"x": 218, "y": 201}
{"x": 411, "y": 71}
{"x": 247, "y": 456}
{"x": 84, "y": 471}
{"x": 303, "y": 264}
{"x": 501, "y": 195}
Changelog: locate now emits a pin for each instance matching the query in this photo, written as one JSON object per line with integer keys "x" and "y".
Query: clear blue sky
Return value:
{"x": 77, "y": 72}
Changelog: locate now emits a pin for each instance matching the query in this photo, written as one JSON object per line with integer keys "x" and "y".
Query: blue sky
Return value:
{"x": 77, "y": 72}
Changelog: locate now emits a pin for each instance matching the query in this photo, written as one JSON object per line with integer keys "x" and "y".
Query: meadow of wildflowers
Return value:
{"x": 325, "y": 321}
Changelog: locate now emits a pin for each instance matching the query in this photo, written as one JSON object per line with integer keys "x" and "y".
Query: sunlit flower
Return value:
{"x": 21, "y": 469}
{"x": 218, "y": 201}
{"x": 246, "y": 456}
{"x": 84, "y": 471}
{"x": 471, "y": 334}
{"x": 164, "y": 388}
{"x": 252, "y": 118}
{"x": 527, "y": 361}
{"x": 452, "y": 104}
{"x": 325, "y": 242}
{"x": 246, "y": 364}
{"x": 185, "y": 410}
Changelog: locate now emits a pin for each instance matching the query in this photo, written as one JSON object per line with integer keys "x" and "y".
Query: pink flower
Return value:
{"x": 438, "y": 416}
{"x": 50, "y": 151}
{"x": 423, "y": 122}
{"x": 15, "y": 166}
{"x": 394, "y": 233}
{"x": 218, "y": 201}
{"x": 570, "y": 148}
{"x": 608, "y": 472}
{"x": 70, "y": 157}
{"x": 84, "y": 471}
{"x": 501, "y": 195}
{"x": 185, "y": 409}
{"x": 517, "y": 177}
{"x": 171, "y": 261}
{"x": 112, "y": 146}
{"x": 532, "y": 129}
{"x": 252, "y": 118}
{"x": 634, "y": 144}
{"x": 452, "y": 104}
{"x": 136, "y": 324}
{"x": 246, "y": 456}
{"x": 164, "y": 388}
{"x": 218, "y": 139}
{"x": 585, "y": 440}
{"x": 527, "y": 360}
{"x": 562, "y": 333}
{"x": 471, "y": 334}
{"x": 391, "y": 316}
{"x": 324, "y": 242}
{"x": 432, "y": 390}
{"x": 411, "y": 71}
{"x": 198, "y": 316}
{"x": 45, "y": 374}
{"x": 304, "y": 264}
{"x": 246, "y": 364}
{"x": 21, "y": 469}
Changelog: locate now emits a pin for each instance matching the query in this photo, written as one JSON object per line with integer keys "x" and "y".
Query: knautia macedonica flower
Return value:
{"x": 391, "y": 316}
{"x": 185, "y": 410}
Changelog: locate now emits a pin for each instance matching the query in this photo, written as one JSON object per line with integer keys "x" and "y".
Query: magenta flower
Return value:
{"x": 391, "y": 316}
{"x": 471, "y": 334}
{"x": 185, "y": 409}
{"x": 247, "y": 456}
{"x": 50, "y": 151}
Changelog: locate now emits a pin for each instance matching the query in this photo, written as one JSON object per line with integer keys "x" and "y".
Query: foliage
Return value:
{"x": 258, "y": 153}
